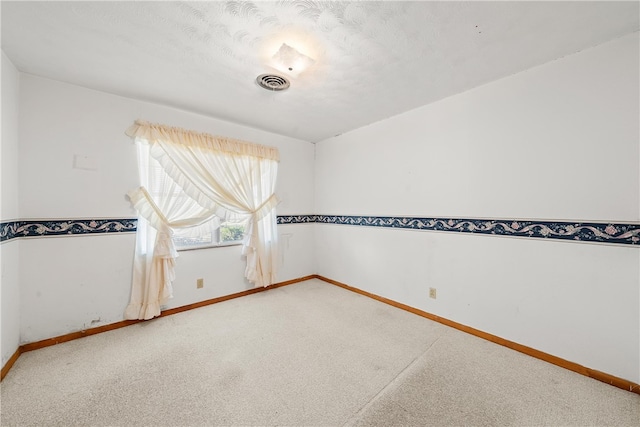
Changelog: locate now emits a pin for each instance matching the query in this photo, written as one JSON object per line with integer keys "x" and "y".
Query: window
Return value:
{"x": 200, "y": 176}
{"x": 212, "y": 232}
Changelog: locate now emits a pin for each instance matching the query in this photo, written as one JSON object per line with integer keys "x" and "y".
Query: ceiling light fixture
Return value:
{"x": 290, "y": 61}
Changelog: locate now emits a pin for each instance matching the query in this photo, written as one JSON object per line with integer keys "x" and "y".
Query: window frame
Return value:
{"x": 220, "y": 243}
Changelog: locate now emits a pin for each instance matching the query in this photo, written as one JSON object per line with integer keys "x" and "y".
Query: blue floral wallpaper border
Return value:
{"x": 296, "y": 219}
{"x": 592, "y": 232}
{"x": 33, "y": 228}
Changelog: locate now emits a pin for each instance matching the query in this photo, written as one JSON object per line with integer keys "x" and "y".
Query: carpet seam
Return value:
{"x": 393, "y": 380}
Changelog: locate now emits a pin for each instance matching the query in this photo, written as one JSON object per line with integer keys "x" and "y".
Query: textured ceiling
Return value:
{"x": 372, "y": 59}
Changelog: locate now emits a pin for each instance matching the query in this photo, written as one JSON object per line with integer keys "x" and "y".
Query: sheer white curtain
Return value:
{"x": 207, "y": 176}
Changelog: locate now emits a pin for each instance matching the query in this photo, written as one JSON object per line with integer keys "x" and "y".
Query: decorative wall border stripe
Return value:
{"x": 44, "y": 228}
{"x": 590, "y": 232}
{"x": 296, "y": 219}
{"x": 64, "y": 227}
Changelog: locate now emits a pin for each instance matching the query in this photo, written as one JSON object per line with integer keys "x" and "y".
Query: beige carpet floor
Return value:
{"x": 309, "y": 354}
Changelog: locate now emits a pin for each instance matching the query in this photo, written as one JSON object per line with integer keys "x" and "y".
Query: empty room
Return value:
{"x": 319, "y": 213}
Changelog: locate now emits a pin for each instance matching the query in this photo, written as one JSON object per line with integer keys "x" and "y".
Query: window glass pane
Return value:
{"x": 207, "y": 234}
{"x": 211, "y": 233}
{"x": 231, "y": 232}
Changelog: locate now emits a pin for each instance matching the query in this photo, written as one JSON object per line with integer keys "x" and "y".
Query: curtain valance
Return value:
{"x": 154, "y": 132}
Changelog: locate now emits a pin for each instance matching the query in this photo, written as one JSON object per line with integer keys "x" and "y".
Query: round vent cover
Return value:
{"x": 272, "y": 82}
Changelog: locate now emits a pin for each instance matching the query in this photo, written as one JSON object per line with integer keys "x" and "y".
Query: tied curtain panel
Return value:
{"x": 195, "y": 177}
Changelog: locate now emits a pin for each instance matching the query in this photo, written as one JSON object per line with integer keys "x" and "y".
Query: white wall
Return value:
{"x": 559, "y": 142}
{"x": 10, "y": 291}
{"x": 71, "y": 283}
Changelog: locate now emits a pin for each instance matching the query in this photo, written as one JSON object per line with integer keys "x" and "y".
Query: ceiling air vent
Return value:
{"x": 272, "y": 82}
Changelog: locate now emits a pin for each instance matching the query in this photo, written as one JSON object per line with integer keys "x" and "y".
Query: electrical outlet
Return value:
{"x": 200, "y": 283}
{"x": 432, "y": 293}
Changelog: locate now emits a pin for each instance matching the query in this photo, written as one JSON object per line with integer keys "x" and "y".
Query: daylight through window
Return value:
{"x": 212, "y": 232}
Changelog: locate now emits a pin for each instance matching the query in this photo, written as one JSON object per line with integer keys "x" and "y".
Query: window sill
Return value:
{"x": 221, "y": 245}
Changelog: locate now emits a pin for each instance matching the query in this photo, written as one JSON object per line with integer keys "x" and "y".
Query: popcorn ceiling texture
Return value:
{"x": 373, "y": 60}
